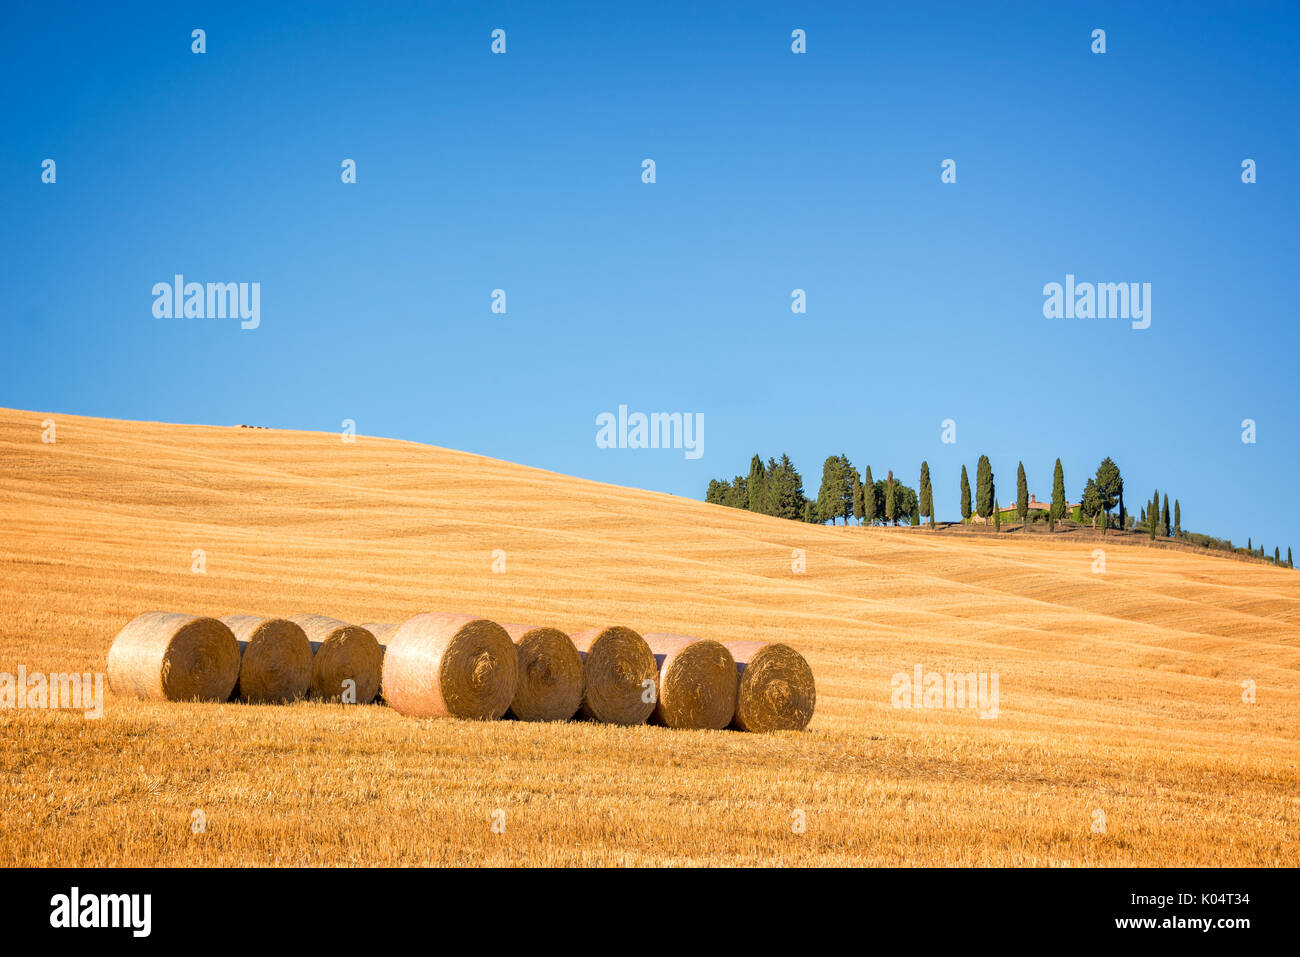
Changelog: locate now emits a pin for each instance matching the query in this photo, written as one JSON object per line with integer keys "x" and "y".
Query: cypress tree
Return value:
{"x": 1277, "y": 556}
{"x": 830, "y": 494}
{"x": 757, "y": 484}
{"x": 891, "y": 499}
{"x": 785, "y": 496}
{"x": 1110, "y": 486}
{"x": 848, "y": 478}
{"x": 984, "y": 491}
{"x": 1155, "y": 521}
{"x": 1178, "y": 519}
{"x": 927, "y": 494}
{"x": 713, "y": 495}
{"x": 1164, "y": 518}
{"x": 1249, "y": 546}
{"x": 965, "y": 496}
{"x": 1289, "y": 563}
{"x": 997, "y": 517}
{"x": 853, "y": 496}
{"x": 1022, "y": 496}
{"x": 869, "y": 515}
{"x": 1091, "y": 503}
{"x": 1058, "y": 493}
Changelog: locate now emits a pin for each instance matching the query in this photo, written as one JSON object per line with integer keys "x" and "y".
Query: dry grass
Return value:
{"x": 1119, "y": 692}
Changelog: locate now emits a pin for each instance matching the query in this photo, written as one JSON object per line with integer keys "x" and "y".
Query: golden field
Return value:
{"x": 1119, "y": 692}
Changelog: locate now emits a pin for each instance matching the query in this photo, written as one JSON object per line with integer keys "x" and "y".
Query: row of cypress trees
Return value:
{"x": 776, "y": 488}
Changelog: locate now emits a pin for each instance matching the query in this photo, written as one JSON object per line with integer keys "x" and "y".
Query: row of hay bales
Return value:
{"x": 442, "y": 665}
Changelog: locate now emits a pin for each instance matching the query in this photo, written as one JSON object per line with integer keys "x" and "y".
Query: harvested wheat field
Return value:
{"x": 1119, "y": 693}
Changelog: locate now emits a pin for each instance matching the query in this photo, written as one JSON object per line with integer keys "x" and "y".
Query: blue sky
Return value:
{"x": 775, "y": 171}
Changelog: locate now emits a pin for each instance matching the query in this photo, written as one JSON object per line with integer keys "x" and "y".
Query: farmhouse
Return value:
{"x": 1035, "y": 505}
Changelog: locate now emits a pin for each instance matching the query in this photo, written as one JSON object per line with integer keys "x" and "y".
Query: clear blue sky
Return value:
{"x": 775, "y": 171}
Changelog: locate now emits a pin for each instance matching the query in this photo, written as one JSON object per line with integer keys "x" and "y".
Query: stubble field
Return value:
{"x": 1119, "y": 693}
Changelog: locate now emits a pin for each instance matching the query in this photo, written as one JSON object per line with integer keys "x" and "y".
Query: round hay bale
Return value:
{"x": 616, "y": 664}
{"x": 341, "y": 651}
{"x": 550, "y": 674}
{"x": 383, "y": 632}
{"x": 274, "y": 659}
{"x": 776, "y": 691}
{"x": 459, "y": 666}
{"x": 161, "y": 656}
{"x": 697, "y": 682}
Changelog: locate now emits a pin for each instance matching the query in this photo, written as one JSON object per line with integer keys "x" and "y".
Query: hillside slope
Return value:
{"x": 1119, "y": 692}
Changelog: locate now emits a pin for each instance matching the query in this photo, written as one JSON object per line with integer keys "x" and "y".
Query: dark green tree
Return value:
{"x": 1165, "y": 523}
{"x": 869, "y": 511}
{"x": 785, "y": 495}
{"x": 891, "y": 501}
{"x": 756, "y": 483}
{"x": 927, "y": 493}
{"x": 1289, "y": 563}
{"x": 965, "y": 496}
{"x": 714, "y": 495}
{"x": 830, "y": 497}
{"x": 1058, "y": 494}
{"x": 984, "y": 491}
{"x": 1091, "y": 503}
{"x": 737, "y": 495}
{"x": 1022, "y": 496}
{"x": 905, "y": 500}
{"x": 997, "y": 517}
{"x": 849, "y": 481}
{"x": 1110, "y": 486}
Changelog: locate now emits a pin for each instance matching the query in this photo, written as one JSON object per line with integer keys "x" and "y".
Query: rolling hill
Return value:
{"x": 1121, "y": 735}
